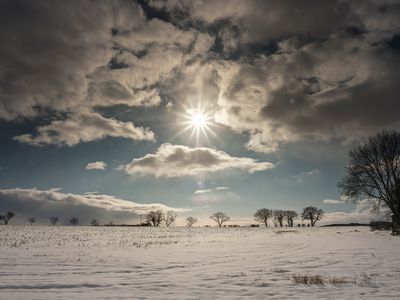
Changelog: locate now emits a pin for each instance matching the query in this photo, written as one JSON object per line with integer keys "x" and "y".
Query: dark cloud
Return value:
{"x": 279, "y": 71}
{"x": 67, "y": 56}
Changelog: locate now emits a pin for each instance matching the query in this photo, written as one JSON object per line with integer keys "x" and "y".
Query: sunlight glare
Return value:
{"x": 198, "y": 119}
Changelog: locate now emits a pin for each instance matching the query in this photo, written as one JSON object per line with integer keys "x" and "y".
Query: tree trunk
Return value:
{"x": 396, "y": 222}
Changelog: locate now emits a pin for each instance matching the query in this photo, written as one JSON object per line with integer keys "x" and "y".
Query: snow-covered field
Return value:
{"x": 43, "y": 262}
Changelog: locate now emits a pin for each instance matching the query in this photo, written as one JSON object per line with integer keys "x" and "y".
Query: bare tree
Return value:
{"x": 190, "y": 221}
{"x": 155, "y": 217}
{"x": 263, "y": 215}
{"x": 170, "y": 218}
{"x": 279, "y": 215}
{"x": 220, "y": 218}
{"x": 94, "y": 222}
{"x": 290, "y": 216}
{"x": 53, "y": 220}
{"x": 74, "y": 221}
{"x": 313, "y": 214}
{"x": 373, "y": 171}
{"x": 6, "y": 218}
{"x": 31, "y": 220}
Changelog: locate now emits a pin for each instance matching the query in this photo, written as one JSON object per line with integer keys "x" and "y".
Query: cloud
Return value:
{"x": 214, "y": 195}
{"x": 321, "y": 91}
{"x": 283, "y": 77}
{"x": 199, "y": 192}
{"x": 97, "y": 165}
{"x": 222, "y": 188}
{"x": 332, "y": 201}
{"x": 207, "y": 191}
{"x": 179, "y": 161}
{"x": 42, "y": 204}
{"x": 84, "y": 127}
{"x": 329, "y": 73}
{"x": 360, "y": 214}
{"x": 58, "y": 62}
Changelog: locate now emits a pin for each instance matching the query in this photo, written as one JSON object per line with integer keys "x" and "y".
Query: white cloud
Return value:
{"x": 214, "y": 195}
{"x": 84, "y": 126}
{"x": 97, "y": 165}
{"x": 332, "y": 201}
{"x": 178, "y": 161}
{"x": 222, "y": 188}
{"x": 43, "y": 204}
{"x": 199, "y": 192}
{"x": 207, "y": 191}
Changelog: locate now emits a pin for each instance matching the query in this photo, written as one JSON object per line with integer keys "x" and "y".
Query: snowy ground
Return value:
{"x": 43, "y": 262}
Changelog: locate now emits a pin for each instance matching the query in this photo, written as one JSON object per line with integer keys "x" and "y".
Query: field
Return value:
{"x": 44, "y": 262}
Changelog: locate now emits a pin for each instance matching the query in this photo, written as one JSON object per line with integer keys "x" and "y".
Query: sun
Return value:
{"x": 198, "y": 119}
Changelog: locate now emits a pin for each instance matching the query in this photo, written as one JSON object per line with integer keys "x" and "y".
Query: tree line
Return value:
{"x": 158, "y": 217}
{"x": 279, "y": 217}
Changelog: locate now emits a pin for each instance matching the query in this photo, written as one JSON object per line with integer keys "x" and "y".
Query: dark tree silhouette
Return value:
{"x": 220, "y": 218}
{"x": 7, "y": 217}
{"x": 74, "y": 221}
{"x": 53, "y": 220}
{"x": 155, "y": 217}
{"x": 190, "y": 221}
{"x": 313, "y": 214}
{"x": 290, "y": 216}
{"x": 373, "y": 171}
{"x": 279, "y": 215}
{"x": 170, "y": 218}
{"x": 94, "y": 222}
{"x": 263, "y": 215}
{"x": 31, "y": 220}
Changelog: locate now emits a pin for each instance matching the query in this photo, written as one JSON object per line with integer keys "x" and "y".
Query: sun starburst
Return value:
{"x": 198, "y": 121}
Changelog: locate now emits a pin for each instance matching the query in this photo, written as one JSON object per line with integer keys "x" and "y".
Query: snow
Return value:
{"x": 63, "y": 262}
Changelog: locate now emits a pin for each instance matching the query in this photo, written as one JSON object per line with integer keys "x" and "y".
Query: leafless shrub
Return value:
{"x": 190, "y": 221}
{"x": 155, "y": 217}
{"x": 94, "y": 222}
{"x": 74, "y": 221}
{"x": 313, "y": 214}
{"x": 53, "y": 220}
{"x": 170, "y": 218}
{"x": 315, "y": 279}
{"x": 308, "y": 279}
{"x": 263, "y": 215}
{"x": 220, "y": 218}
{"x": 279, "y": 215}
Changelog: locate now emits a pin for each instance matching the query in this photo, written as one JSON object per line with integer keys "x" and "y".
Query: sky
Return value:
{"x": 112, "y": 109}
